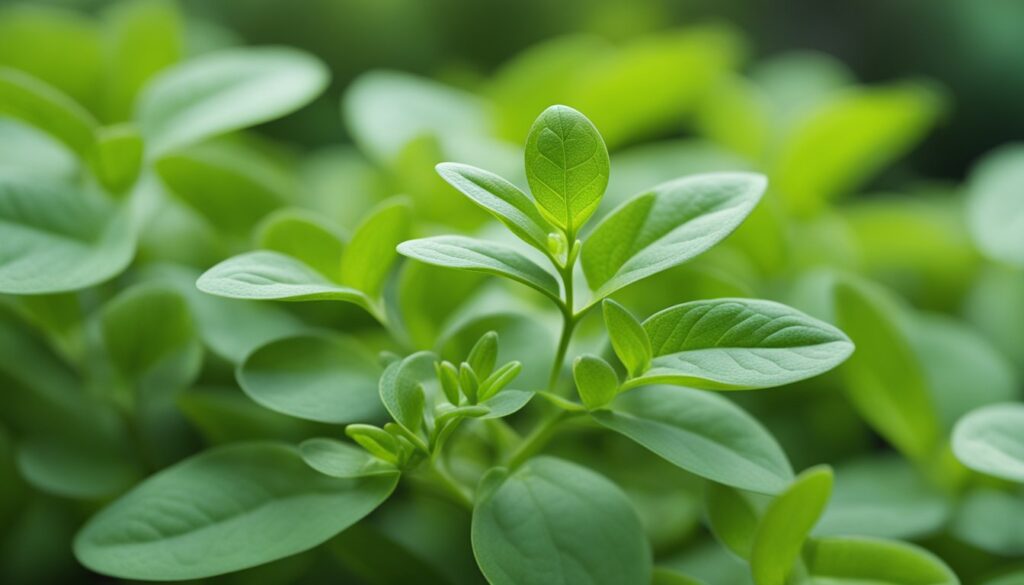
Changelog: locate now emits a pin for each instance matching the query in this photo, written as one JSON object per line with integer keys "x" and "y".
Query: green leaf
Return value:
{"x": 663, "y": 576}
{"x": 32, "y": 101}
{"x": 989, "y": 519}
{"x": 596, "y": 381}
{"x": 75, "y": 468}
{"x": 856, "y": 561}
{"x": 567, "y": 167}
{"x": 552, "y": 522}
{"x": 118, "y": 157}
{"x": 484, "y": 355}
{"x": 733, "y": 517}
{"x": 629, "y": 340}
{"x": 401, "y": 389}
{"x": 57, "y": 237}
{"x": 481, "y": 256}
{"x": 226, "y": 91}
{"x": 224, "y": 510}
{"x": 785, "y": 525}
{"x": 1012, "y": 578}
{"x": 703, "y": 433}
{"x": 302, "y": 235}
{"x": 989, "y": 440}
{"x": 151, "y": 340}
{"x": 848, "y": 138}
{"x": 995, "y": 209}
{"x": 377, "y": 441}
{"x": 883, "y": 378}
{"x": 338, "y": 459}
{"x": 885, "y": 497}
{"x": 507, "y": 402}
{"x": 265, "y": 275}
{"x": 731, "y": 344}
{"x": 314, "y": 376}
{"x": 666, "y": 226}
{"x": 515, "y": 209}
{"x": 367, "y": 258}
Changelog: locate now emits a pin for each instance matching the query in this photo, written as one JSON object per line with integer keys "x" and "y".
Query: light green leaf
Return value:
{"x": 990, "y": 440}
{"x": 787, "y": 521}
{"x": 502, "y": 199}
{"x": 703, "y": 433}
{"x": 552, "y": 522}
{"x": 730, "y": 344}
{"x": 265, "y": 275}
{"x": 118, "y": 157}
{"x": 481, "y": 256}
{"x": 508, "y": 401}
{"x": 666, "y": 226}
{"x": 302, "y": 235}
{"x": 995, "y": 305}
{"x": 990, "y": 520}
{"x": 32, "y": 101}
{"x": 885, "y": 497}
{"x": 314, "y": 376}
{"x": 857, "y": 561}
{"x": 368, "y": 257}
{"x": 848, "y": 138}
{"x": 259, "y": 502}
{"x": 345, "y": 460}
{"x": 883, "y": 377}
{"x": 228, "y": 187}
{"x": 484, "y": 355}
{"x": 401, "y": 389}
{"x": 629, "y": 340}
{"x": 733, "y": 517}
{"x": 567, "y": 167}
{"x": 26, "y": 149}
{"x": 151, "y": 339}
{"x": 596, "y": 381}
{"x": 226, "y": 91}
{"x": 995, "y": 208}
{"x": 57, "y": 237}
{"x": 664, "y": 576}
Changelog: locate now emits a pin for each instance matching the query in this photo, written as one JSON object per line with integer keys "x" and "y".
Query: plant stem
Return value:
{"x": 538, "y": 437}
{"x": 455, "y": 490}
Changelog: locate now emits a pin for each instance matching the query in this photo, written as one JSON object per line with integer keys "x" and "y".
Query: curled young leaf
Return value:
{"x": 732, "y": 344}
{"x": 401, "y": 389}
{"x": 666, "y": 226}
{"x": 567, "y": 167}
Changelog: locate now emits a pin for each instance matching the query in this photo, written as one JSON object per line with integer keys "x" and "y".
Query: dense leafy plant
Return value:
{"x": 596, "y": 414}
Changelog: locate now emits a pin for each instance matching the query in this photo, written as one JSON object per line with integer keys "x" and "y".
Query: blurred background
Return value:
{"x": 880, "y": 124}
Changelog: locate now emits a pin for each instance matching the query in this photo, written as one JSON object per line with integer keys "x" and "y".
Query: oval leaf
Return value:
{"x": 995, "y": 206}
{"x": 224, "y": 510}
{"x": 629, "y": 340}
{"x": 567, "y": 167}
{"x": 853, "y": 561}
{"x": 555, "y": 523}
{"x": 666, "y": 226}
{"x": 481, "y": 256}
{"x": 990, "y": 440}
{"x": 320, "y": 377}
{"x": 226, "y": 91}
{"x": 367, "y": 258}
{"x": 703, "y": 433}
{"x": 338, "y": 459}
{"x": 732, "y": 344}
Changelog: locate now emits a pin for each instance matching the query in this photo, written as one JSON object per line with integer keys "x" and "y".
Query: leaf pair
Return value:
{"x": 357, "y": 278}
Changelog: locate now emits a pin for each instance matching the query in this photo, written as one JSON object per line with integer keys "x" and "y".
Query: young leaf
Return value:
{"x": 32, "y": 101}
{"x": 785, "y": 525}
{"x": 731, "y": 344}
{"x": 732, "y": 517}
{"x": 990, "y": 440}
{"x": 401, "y": 389}
{"x": 226, "y": 91}
{"x": 663, "y": 576}
{"x": 265, "y": 275}
{"x": 377, "y": 441}
{"x": 338, "y": 459}
{"x": 703, "y": 433}
{"x": 995, "y": 208}
{"x": 367, "y": 258}
{"x": 552, "y": 522}
{"x": 300, "y": 234}
{"x": 259, "y": 502}
{"x": 883, "y": 378}
{"x": 596, "y": 381}
{"x": 855, "y": 560}
{"x": 481, "y": 256}
{"x": 118, "y": 157}
{"x": 567, "y": 167}
{"x": 502, "y": 199}
{"x": 666, "y": 226}
{"x": 628, "y": 338}
{"x": 484, "y": 355}
{"x": 319, "y": 377}
{"x": 497, "y": 381}
{"x": 57, "y": 237}
{"x": 506, "y": 402}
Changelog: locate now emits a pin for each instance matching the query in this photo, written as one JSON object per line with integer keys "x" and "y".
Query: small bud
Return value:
{"x": 469, "y": 382}
{"x": 484, "y": 354}
{"x": 449, "y": 378}
{"x": 557, "y": 244}
{"x": 376, "y": 441}
{"x": 499, "y": 379}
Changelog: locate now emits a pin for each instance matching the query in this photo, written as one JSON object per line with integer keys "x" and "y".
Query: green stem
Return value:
{"x": 537, "y": 439}
{"x": 451, "y": 486}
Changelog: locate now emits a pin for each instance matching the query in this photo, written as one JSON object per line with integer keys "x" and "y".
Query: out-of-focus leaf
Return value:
{"x": 995, "y": 306}
{"x": 996, "y": 207}
{"x": 368, "y": 256}
{"x": 345, "y": 460}
{"x": 44, "y": 107}
{"x": 856, "y": 560}
{"x": 733, "y": 516}
{"x": 989, "y": 440}
{"x": 301, "y": 234}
